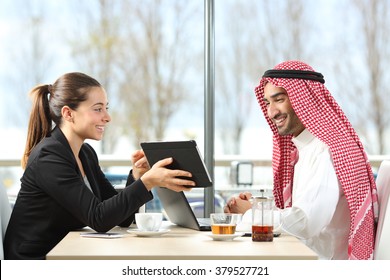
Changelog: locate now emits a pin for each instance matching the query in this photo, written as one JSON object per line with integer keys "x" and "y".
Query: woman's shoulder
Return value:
{"x": 48, "y": 144}
{"x": 49, "y": 147}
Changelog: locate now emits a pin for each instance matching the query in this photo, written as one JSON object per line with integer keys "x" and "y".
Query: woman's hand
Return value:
{"x": 238, "y": 204}
{"x": 160, "y": 176}
{"x": 140, "y": 164}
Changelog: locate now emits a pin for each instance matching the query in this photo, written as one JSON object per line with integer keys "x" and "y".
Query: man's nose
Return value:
{"x": 272, "y": 111}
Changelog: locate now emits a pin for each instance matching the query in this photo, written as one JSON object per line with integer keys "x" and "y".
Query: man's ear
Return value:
{"x": 67, "y": 113}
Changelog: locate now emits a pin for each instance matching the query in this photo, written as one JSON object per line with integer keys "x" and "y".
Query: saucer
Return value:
{"x": 248, "y": 233}
{"x": 224, "y": 237}
{"x": 148, "y": 233}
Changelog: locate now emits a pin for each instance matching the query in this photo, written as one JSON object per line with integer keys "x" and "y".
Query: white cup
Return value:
{"x": 148, "y": 221}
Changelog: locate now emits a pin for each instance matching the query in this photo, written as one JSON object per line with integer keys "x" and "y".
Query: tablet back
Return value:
{"x": 186, "y": 156}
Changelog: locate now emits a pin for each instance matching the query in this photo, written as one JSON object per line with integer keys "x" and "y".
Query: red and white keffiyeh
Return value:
{"x": 322, "y": 116}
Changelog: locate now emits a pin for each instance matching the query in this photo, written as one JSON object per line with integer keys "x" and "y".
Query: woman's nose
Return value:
{"x": 107, "y": 117}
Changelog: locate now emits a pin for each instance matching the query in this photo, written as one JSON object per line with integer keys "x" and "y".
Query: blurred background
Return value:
{"x": 149, "y": 56}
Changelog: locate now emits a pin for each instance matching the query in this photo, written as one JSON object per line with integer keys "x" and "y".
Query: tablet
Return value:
{"x": 186, "y": 156}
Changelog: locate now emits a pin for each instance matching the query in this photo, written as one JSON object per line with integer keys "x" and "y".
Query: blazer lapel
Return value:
{"x": 85, "y": 160}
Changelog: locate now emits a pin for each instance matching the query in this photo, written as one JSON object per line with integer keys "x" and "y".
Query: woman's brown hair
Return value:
{"x": 48, "y": 100}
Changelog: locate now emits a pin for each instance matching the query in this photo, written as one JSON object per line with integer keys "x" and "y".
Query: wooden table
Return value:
{"x": 180, "y": 244}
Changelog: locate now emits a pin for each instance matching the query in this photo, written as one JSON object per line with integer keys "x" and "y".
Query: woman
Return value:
{"x": 63, "y": 187}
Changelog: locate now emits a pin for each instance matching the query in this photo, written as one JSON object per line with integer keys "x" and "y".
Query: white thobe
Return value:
{"x": 319, "y": 215}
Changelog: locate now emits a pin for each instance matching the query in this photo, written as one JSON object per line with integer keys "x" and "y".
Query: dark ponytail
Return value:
{"x": 40, "y": 122}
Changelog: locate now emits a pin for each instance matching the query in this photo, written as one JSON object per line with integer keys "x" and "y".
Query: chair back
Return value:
{"x": 5, "y": 213}
{"x": 382, "y": 239}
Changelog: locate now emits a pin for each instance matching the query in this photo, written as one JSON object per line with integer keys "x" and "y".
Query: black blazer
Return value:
{"x": 54, "y": 199}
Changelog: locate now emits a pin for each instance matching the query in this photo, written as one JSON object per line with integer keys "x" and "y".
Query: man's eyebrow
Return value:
{"x": 275, "y": 95}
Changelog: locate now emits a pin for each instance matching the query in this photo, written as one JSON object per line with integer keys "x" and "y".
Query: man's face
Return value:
{"x": 280, "y": 111}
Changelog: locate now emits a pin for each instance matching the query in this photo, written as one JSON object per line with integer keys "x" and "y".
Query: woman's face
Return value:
{"x": 91, "y": 116}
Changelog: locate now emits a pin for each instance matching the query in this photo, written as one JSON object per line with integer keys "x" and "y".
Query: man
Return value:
{"x": 323, "y": 182}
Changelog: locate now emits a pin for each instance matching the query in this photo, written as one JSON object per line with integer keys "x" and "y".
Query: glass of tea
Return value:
{"x": 262, "y": 219}
{"x": 224, "y": 223}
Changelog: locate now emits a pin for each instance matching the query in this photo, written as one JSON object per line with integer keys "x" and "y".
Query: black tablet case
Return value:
{"x": 186, "y": 156}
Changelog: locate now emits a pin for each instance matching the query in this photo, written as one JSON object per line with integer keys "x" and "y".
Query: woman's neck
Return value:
{"x": 75, "y": 142}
